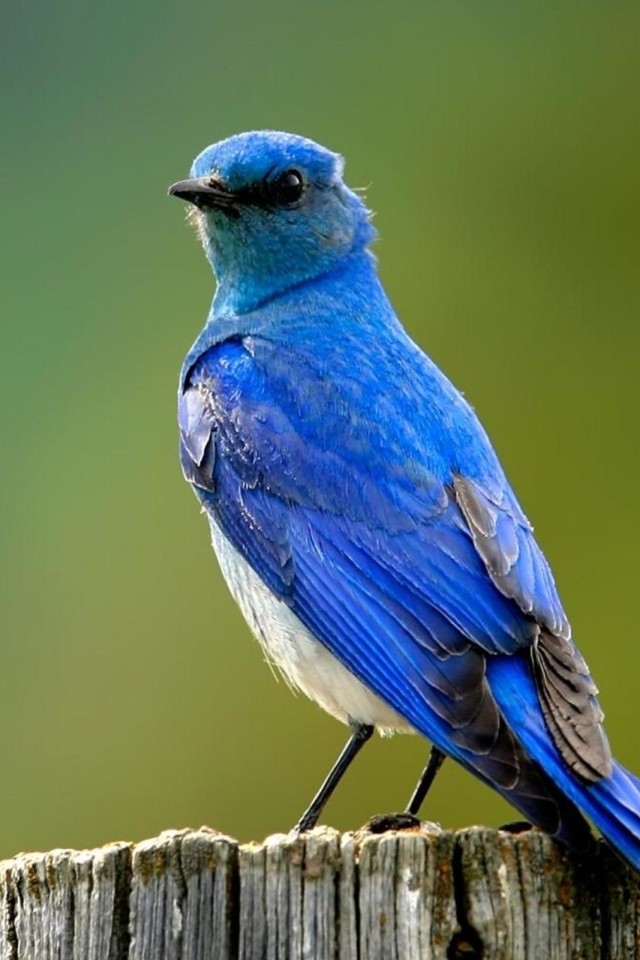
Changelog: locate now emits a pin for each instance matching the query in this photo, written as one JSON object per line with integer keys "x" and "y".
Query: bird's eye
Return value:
{"x": 288, "y": 188}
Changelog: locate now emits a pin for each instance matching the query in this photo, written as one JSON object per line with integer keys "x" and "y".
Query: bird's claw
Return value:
{"x": 518, "y": 826}
{"x": 382, "y": 822}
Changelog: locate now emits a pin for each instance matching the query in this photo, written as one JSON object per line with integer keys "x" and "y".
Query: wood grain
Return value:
{"x": 420, "y": 894}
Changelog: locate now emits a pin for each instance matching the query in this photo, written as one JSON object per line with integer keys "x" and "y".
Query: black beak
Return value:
{"x": 204, "y": 192}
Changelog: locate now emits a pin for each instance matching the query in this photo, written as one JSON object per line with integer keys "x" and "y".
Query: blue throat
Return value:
{"x": 235, "y": 297}
{"x": 249, "y": 275}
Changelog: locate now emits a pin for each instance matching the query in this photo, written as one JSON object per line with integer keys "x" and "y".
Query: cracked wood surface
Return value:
{"x": 410, "y": 895}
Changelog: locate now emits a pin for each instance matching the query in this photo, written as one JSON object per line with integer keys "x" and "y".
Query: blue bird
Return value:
{"x": 358, "y": 511}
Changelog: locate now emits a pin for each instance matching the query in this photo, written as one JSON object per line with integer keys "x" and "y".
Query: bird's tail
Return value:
{"x": 612, "y": 803}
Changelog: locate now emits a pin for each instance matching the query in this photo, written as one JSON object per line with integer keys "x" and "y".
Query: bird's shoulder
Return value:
{"x": 365, "y": 390}
{"x": 320, "y": 424}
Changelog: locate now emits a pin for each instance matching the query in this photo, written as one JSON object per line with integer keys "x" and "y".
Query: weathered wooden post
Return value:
{"x": 411, "y": 895}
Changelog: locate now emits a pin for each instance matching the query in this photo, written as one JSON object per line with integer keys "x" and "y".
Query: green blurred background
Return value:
{"x": 500, "y": 144}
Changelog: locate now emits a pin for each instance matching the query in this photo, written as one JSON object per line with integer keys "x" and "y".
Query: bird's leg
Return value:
{"x": 361, "y": 733}
{"x": 428, "y": 775}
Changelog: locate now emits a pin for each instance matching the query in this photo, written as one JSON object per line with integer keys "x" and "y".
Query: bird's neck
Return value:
{"x": 342, "y": 308}
{"x": 348, "y": 298}
{"x": 238, "y": 295}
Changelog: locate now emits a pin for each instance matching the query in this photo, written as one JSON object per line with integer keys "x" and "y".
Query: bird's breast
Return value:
{"x": 288, "y": 645}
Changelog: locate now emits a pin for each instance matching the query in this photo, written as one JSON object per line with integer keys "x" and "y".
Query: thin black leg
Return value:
{"x": 361, "y": 733}
{"x": 428, "y": 775}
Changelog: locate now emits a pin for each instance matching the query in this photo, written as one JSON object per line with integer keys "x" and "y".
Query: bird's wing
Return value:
{"x": 565, "y": 687}
{"x": 410, "y": 581}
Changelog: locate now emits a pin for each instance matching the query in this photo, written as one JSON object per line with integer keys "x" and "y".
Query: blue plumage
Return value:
{"x": 343, "y": 472}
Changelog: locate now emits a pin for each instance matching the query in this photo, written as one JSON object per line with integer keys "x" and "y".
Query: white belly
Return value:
{"x": 304, "y": 662}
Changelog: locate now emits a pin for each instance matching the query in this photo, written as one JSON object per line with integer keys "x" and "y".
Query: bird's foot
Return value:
{"x": 518, "y": 826}
{"x": 305, "y": 824}
{"x": 382, "y": 822}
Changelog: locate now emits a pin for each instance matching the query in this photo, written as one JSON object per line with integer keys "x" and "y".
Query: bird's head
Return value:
{"x": 272, "y": 211}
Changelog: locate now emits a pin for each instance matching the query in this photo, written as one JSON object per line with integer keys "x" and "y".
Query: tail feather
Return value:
{"x": 611, "y": 803}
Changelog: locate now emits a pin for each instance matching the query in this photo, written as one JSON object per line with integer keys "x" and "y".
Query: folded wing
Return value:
{"x": 410, "y": 579}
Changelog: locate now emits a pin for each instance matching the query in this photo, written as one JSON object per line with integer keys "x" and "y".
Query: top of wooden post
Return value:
{"x": 411, "y": 895}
